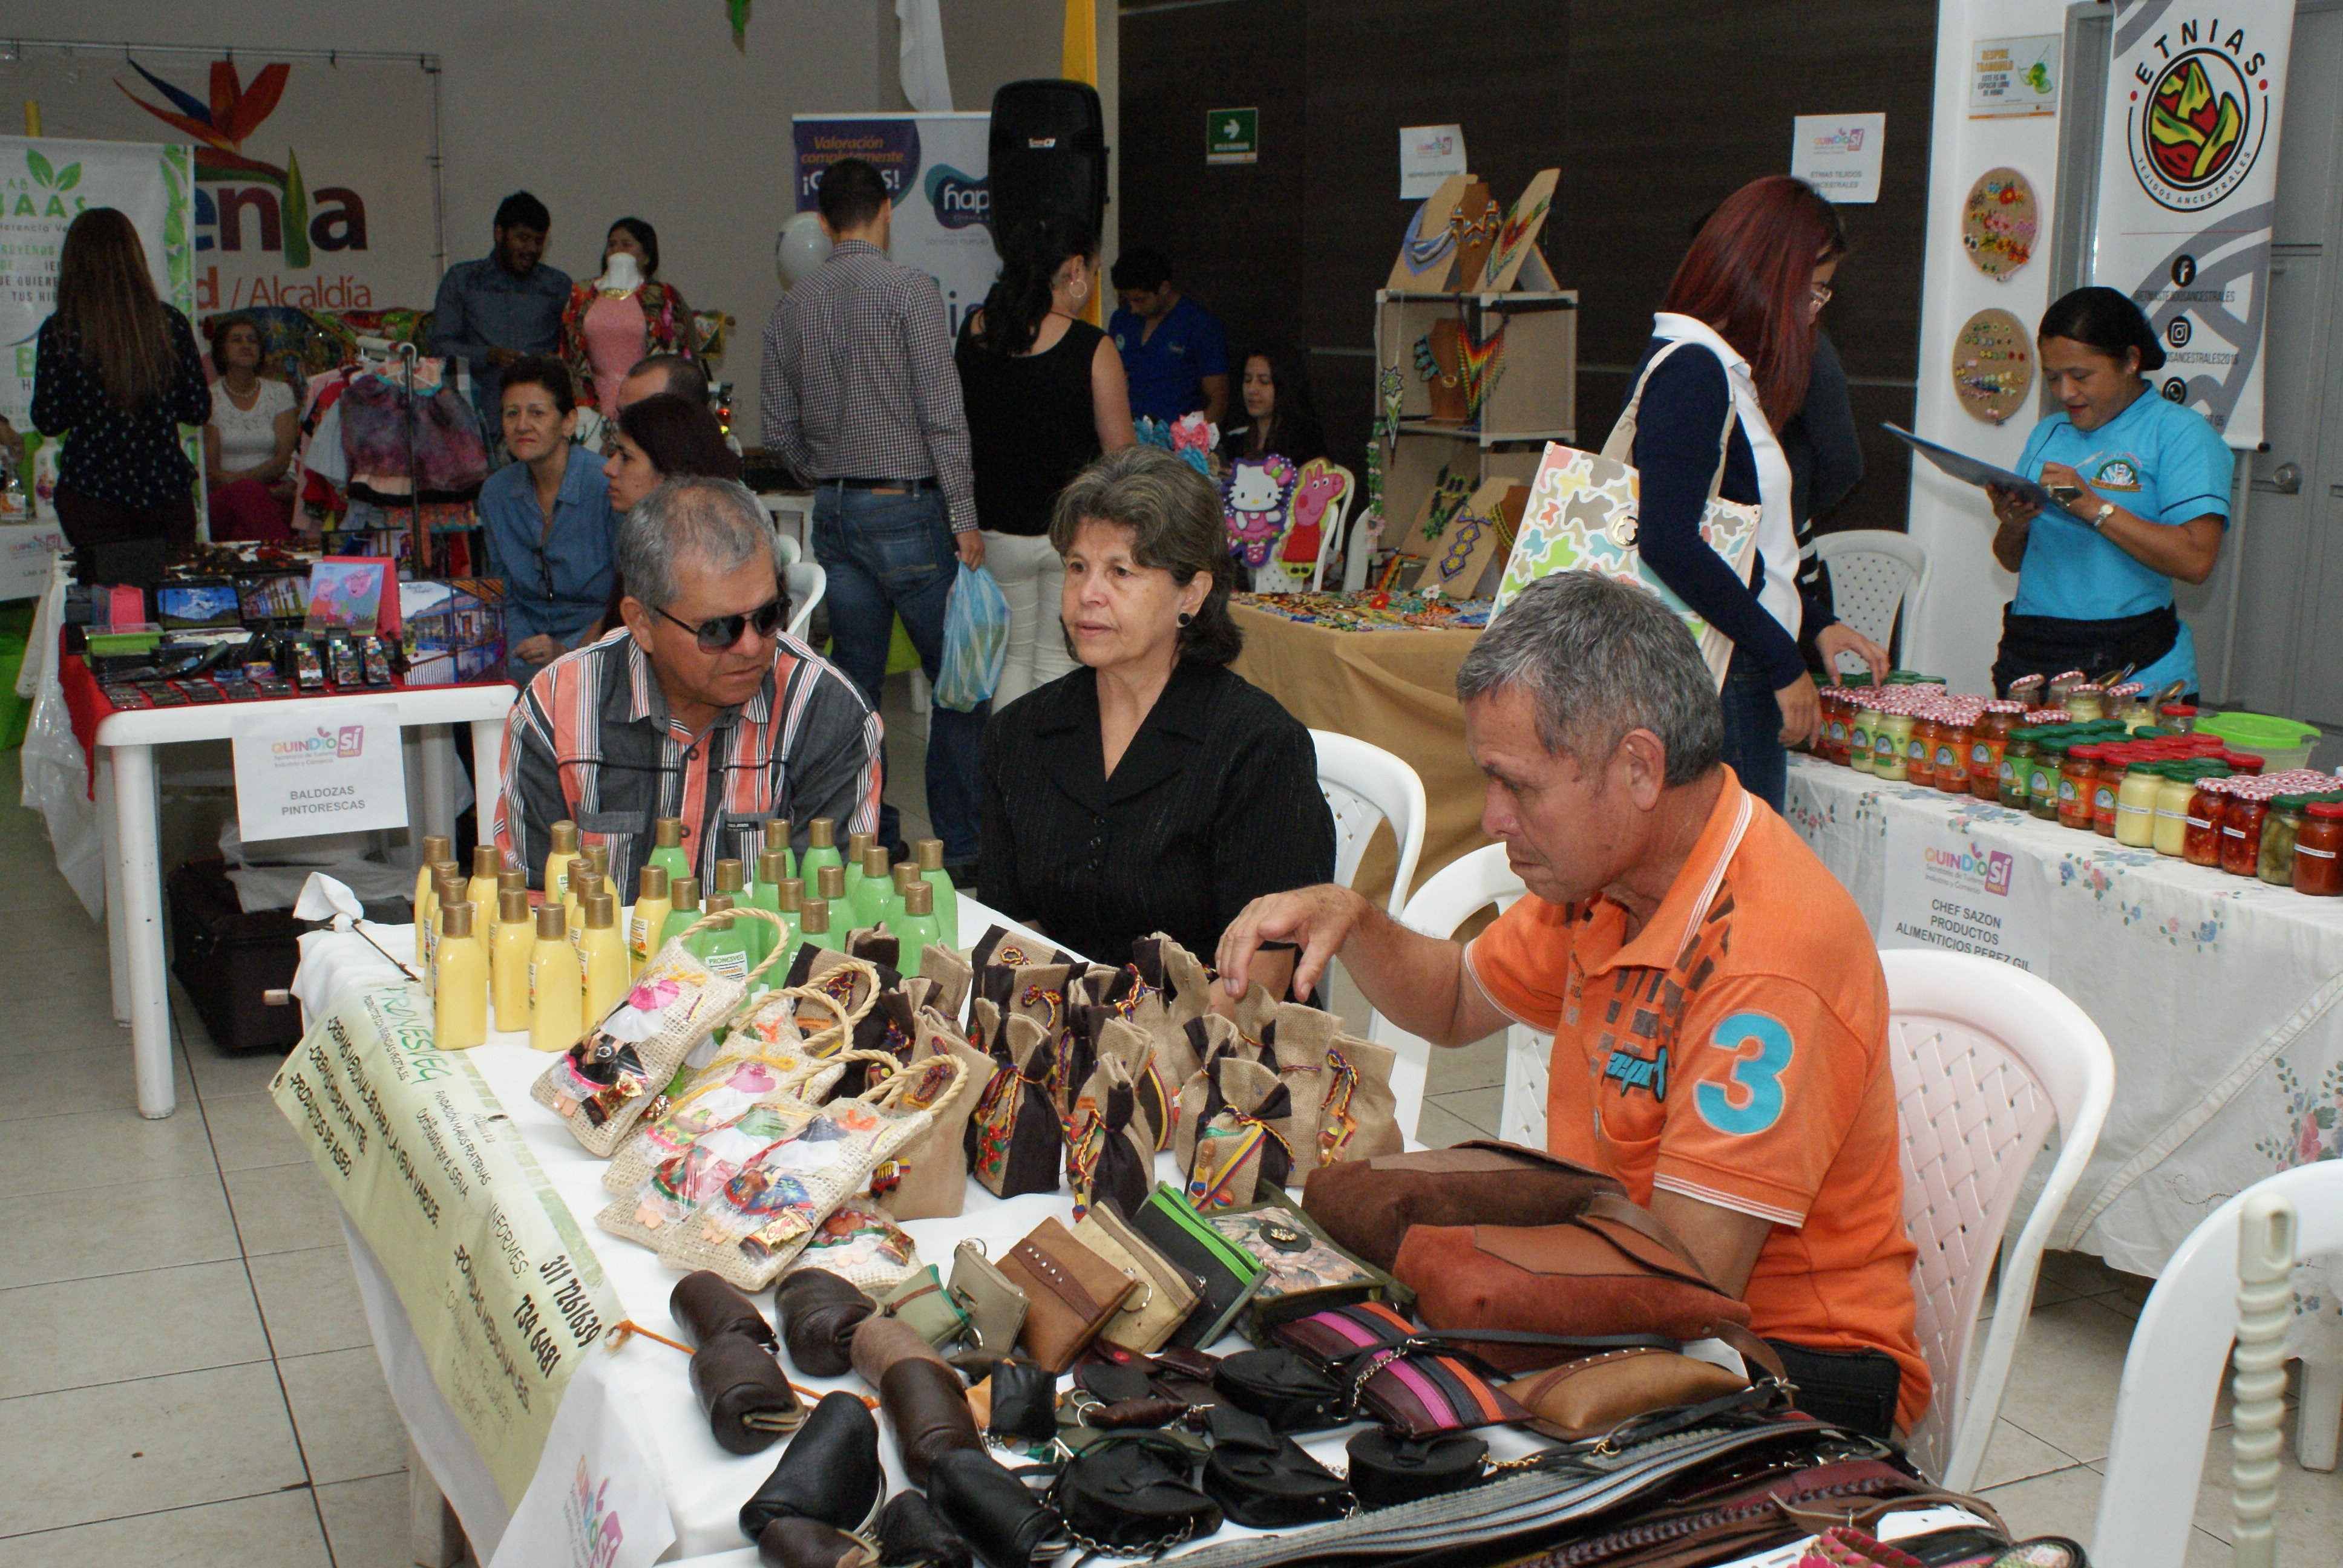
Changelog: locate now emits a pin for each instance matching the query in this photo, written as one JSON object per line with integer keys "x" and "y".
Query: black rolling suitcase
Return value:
{"x": 227, "y": 959}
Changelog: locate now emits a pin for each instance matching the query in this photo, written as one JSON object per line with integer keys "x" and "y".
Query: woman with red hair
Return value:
{"x": 1726, "y": 369}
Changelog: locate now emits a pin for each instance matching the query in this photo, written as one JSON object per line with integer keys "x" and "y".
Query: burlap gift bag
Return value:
{"x": 1236, "y": 1131}
{"x": 932, "y": 1182}
{"x": 1176, "y": 990}
{"x": 1014, "y": 1136}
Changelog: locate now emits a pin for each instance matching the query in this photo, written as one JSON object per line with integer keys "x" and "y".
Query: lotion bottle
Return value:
{"x": 459, "y": 1009}
{"x": 821, "y": 849}
{"x": 509, "y": 944}
{"x": 873, "y": 897}
{"x": 647, "y": 922}
{"x": 480, "y": 892}
{"x": 606, "y": 976}
{"x": 917, "y": 926}
{"x": 726, "y": 947}
{"x": 556, "y": 878}
{"x": 777, "y": 837}
{"x": 931, "y": 852}
{"x": 667, "y": 849}
{"x": 813, "y": 923}
{"x": 556, "y": 984}
{"x": 683, "y": 901}
{"x": 436, "y": 848}
{"x": 772, "y": 870}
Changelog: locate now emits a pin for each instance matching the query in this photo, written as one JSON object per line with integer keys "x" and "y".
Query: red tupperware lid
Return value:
{"x": 2179, "y": 710}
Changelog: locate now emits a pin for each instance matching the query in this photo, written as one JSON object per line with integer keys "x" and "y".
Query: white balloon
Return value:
{"x": 801, "y": 247}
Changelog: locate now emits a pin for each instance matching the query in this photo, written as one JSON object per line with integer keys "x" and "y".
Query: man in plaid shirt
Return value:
{"x": 861, "y": 397}
{"x": 697, "y": 707}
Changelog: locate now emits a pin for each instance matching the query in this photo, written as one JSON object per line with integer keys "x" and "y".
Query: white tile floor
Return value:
{"x": 187, "y": 1377}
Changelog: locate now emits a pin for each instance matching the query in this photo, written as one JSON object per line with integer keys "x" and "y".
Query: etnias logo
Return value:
{"x": 960, "y": 201}
{"x": 347, "y": 741}
{"x": 1989, "y": 870}
{"x": 2197, "y": 123}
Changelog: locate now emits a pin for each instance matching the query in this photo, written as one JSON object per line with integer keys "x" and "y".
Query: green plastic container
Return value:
{"x": 2280, "y": 743}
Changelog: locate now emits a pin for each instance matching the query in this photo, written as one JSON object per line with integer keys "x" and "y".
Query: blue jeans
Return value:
{"x": 890, "y": 556}
{"x": 1752, "y": 731}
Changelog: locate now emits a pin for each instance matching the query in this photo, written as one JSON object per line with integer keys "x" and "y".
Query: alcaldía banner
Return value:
{"x": 504, "y": 1296}
{"x": 2188, "y": 189}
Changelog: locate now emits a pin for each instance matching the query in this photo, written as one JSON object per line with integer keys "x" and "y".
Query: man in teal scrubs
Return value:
{"x": 1174, "y": 354}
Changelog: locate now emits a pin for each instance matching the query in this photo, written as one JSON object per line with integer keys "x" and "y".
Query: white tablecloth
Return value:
{"x": 2216, "y": 993}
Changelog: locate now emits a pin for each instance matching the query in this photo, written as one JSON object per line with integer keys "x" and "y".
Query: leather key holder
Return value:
{"x": 1072, "y": 1291}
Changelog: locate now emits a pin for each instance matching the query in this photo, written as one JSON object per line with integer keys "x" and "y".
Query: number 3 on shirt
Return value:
{"x": 1758, "y": 1077}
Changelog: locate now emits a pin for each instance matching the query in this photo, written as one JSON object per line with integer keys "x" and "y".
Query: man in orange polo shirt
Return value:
{"x": 1720, "y": 1018}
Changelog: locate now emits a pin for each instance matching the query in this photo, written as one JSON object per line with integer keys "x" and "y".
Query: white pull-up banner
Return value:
{"x": 2187, "y": 186}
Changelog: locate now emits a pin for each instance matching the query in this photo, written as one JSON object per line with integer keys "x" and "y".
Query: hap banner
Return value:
{"x": 934, "y": 166}
{"x": 2187, "y": 187}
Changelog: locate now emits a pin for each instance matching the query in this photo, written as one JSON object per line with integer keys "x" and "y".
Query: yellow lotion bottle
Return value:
{"x": 607, "y": 976}
{"x": 459, "y": 1011}
{"x": 648, "y": 918}
{"x": 584, "y": 884}
{"x": 508, "y": 947}
{"x": 557, "y": 984}
{"x": 447, "y": 888}
{"x": 436, "y": 848}
{"x": 480, "y": 892}
{"x": 556, "y": 878}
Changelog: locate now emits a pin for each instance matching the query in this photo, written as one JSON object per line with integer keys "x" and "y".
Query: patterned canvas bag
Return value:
{"x": 1014, "y": 1136}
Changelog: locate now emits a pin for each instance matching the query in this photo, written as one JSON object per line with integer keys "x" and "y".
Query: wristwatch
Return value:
{"x": 2100, "y": 519}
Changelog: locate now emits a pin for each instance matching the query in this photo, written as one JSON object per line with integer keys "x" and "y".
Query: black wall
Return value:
{"x": 1654, "y": 110}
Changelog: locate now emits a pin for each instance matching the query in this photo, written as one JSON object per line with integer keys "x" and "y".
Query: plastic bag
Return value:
{"x": 976, "y": 641}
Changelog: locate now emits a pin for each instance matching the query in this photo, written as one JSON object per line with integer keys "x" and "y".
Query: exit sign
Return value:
{"x": 1232, "y": 136}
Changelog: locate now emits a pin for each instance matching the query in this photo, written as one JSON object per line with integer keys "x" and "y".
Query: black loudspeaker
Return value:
{"x": 1048, "y": 155}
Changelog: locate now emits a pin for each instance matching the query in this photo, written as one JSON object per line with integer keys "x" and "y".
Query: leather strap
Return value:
{"x": 1621, "y": 1211}
{"x": 889, "y": 1307}
{"x": 1060, "y": 1281}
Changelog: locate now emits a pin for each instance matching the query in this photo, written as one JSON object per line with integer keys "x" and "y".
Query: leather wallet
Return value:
{"x": 995, "y": 1304}
{"x": 1229, "y": 1274}
{"x": 1167, "y": 1292}
{"x": 921, "y": 1304}
{"x": 1073, "y": 1294}
{"x": 1582, "y": 1398}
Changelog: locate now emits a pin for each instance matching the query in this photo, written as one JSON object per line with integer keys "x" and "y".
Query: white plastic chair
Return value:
{"x": 1330, "y": 533}
{"x": 2172, "y": 1374}
{"x": 1454, "y": 894}
{"x": 786, "y": 552}
{"x": 1988, "y": 1061}
{"x": 807, "y": 582}
{"x": 793, "y": 515}
{"x": 1872, "y": 572}
{"x": 1364, "y": 785}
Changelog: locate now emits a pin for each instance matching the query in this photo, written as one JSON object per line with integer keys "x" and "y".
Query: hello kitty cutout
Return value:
{"x": 1256, "y": 500}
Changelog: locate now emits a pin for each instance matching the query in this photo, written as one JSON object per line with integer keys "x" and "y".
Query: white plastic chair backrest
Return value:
{"x": 1988, "y": 1061}
{"x": 1330, "y": 536}
{"x": 807, "y": 582}
{"x": 2172, "y": 1374}
{"x": 1364, "y": 785}
{"x": 786, "y": 552}
{"x": 1452, "y": 896}
{"x": 1872, "y": 571}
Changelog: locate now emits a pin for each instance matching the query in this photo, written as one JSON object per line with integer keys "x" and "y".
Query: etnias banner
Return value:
{"x": 934, "y": 166}
{"x": 314, "y": 184}
{"x": 2188, "y": 189}
{"x": 504, "y": 1296}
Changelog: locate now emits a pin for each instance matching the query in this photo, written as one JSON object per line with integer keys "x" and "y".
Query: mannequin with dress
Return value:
{"x": 615, "y": 321}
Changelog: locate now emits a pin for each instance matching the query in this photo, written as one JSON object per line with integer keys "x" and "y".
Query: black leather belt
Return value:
{"x": 909, "y": 487}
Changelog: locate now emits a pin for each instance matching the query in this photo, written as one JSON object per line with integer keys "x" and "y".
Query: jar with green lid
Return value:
{"x": 2136, "y": 804}
{"x": 1860, "y": 678}
{"x": 2174, "y": 790}
{"x": 2017, "y": 767}
{"x": 1860, "y": 720}
{"x": 2148, "y": 732}
{"x": 2042, "y": 778}
{"x": 2280, "y": 829}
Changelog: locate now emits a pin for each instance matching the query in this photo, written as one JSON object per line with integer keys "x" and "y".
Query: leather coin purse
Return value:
{"x": 1583, "y": 1398}
{"x": 1229, "y": 1274}
{"x": 922, "y": 1304}
{"x": 1167, "y": 1292}
{"x": 995, "y": 1304}
{"x": 1071, "y": 1291}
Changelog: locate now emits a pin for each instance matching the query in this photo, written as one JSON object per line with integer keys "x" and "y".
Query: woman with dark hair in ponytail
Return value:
{"x": 1045, "y": 395}
{"x": 2145, "y": 489}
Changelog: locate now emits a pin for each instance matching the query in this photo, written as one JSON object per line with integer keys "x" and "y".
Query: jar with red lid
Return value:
{"x": 2115, "y": 762}
{"x": 2245, "y": 762}
{"x": 2201, "y": 845}
{"x": 2178, "y": 717}
{"x": 1952, "y": 755}
{"x": 2241, "y": 834}
{"x": 1920, "y": 752}
{"x": 2076, "y": 782}
{"x": 2318, "y": 851}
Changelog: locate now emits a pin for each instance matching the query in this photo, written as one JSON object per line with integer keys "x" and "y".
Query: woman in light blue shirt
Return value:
{"x": 2148, "y": 481}
{"x": 552, "y": 537}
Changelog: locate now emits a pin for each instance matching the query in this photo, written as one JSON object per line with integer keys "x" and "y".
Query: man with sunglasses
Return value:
{"x": 704, "y": 710}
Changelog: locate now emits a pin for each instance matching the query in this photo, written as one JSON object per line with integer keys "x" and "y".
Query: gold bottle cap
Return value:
{"x": 814, "y": 918}
{"x": 772, "y": 866}
{"x": 510, "y": 882}
{"x": 552, "y": 924}
{"x": 486, "y": 861}
{"x": 858, "y": 845}
{"x": 598, "y": 857}
{"x": 653, "y": 882}
{"x": 601, "y": 912}
{"x": 441, "y": 869}
{"x": 565, "y": 836}
{"x": 929, "y": 854}
{"x": 831, "y": 883}
{"x": 667, "y": 833}
{"x": 729, "y": 876}
{"x": 719, "y": 904}
{"x": 777, "y": 833}
{"x": 512, "y": 907}
{"x": 450, "y": 890}
{"x": 789, "y": 895}
{"x": 584, "y": 885}
{"x": 822, "y": 833}
{"x": 874, "y": 862}
{"x": 906, "y": 875}
{"x": 438, "y": 847}
{"x": 684, "y": 892}
{"x": 456, "y": 918}
{"x": 920, "y": 899}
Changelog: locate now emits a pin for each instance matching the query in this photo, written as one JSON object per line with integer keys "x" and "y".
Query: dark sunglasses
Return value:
{"x": 718, "y": 632}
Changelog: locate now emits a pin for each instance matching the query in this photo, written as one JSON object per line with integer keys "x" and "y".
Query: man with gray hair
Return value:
{"x": 702, "y": 709}
{"x": 1718, "y": 1013}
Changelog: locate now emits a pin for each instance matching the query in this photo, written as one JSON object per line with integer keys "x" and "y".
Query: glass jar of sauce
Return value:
{"x": 2173, "y": 793}
{"x": 1952, "y": 768}
{"x": 2275, "y": 861}
{"x": 2247, "y": 762}
{"x": 2136, "y": 804}
{"x": 2200, "y": 845}
{"x": 1833, "y": 746}
{"x": 1891, "y": 741}
{"x": 2017, "y": 767}
{"x": 1987, "y": 738}
{"x": 2241, "y": 834}
{"x": 1860, "y": 720}
{"x": 2178, "y": 717}
{"x": 1920, "y": 752}
{"x": 2042, "y": 782}
{"x": 2115, "y": 762}
{"x": 2085, "y": 702}
{"x": 2077, "y": 783}
{"x": 2318, "y": 869}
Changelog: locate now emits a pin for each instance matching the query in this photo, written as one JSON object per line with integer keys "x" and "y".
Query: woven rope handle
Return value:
{"x": 845, "y": 1025}
{"x": 892, "y": 1092}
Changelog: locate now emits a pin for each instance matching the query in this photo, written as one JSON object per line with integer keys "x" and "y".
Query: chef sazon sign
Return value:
{"x": 2199, "y": 115}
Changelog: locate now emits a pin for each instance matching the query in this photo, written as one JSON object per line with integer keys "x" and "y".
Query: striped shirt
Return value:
{"x": 858, "y": 381}
{"x": 591, "y": 741}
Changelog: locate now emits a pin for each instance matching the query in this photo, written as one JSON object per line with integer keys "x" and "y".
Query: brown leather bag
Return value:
{"x": 1074, "y": 1292}
{"x": 1594, "y": 1393}
{"x": 1613, "y": 1269}
{"x": 1367, "y": 1205}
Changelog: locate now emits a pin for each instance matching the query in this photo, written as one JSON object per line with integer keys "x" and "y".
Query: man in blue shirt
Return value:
{"x": 508, "y": 304}
{"x": 1173, "y": 353}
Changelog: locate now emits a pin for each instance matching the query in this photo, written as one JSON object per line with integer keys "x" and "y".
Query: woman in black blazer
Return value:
{"x": 1150, "y": 789}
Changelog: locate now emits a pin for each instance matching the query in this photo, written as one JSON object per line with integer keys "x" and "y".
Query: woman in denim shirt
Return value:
{"x": 552, "y": 537}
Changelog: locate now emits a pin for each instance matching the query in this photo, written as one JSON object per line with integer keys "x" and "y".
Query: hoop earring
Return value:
{"x": 1185, "y": 618}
